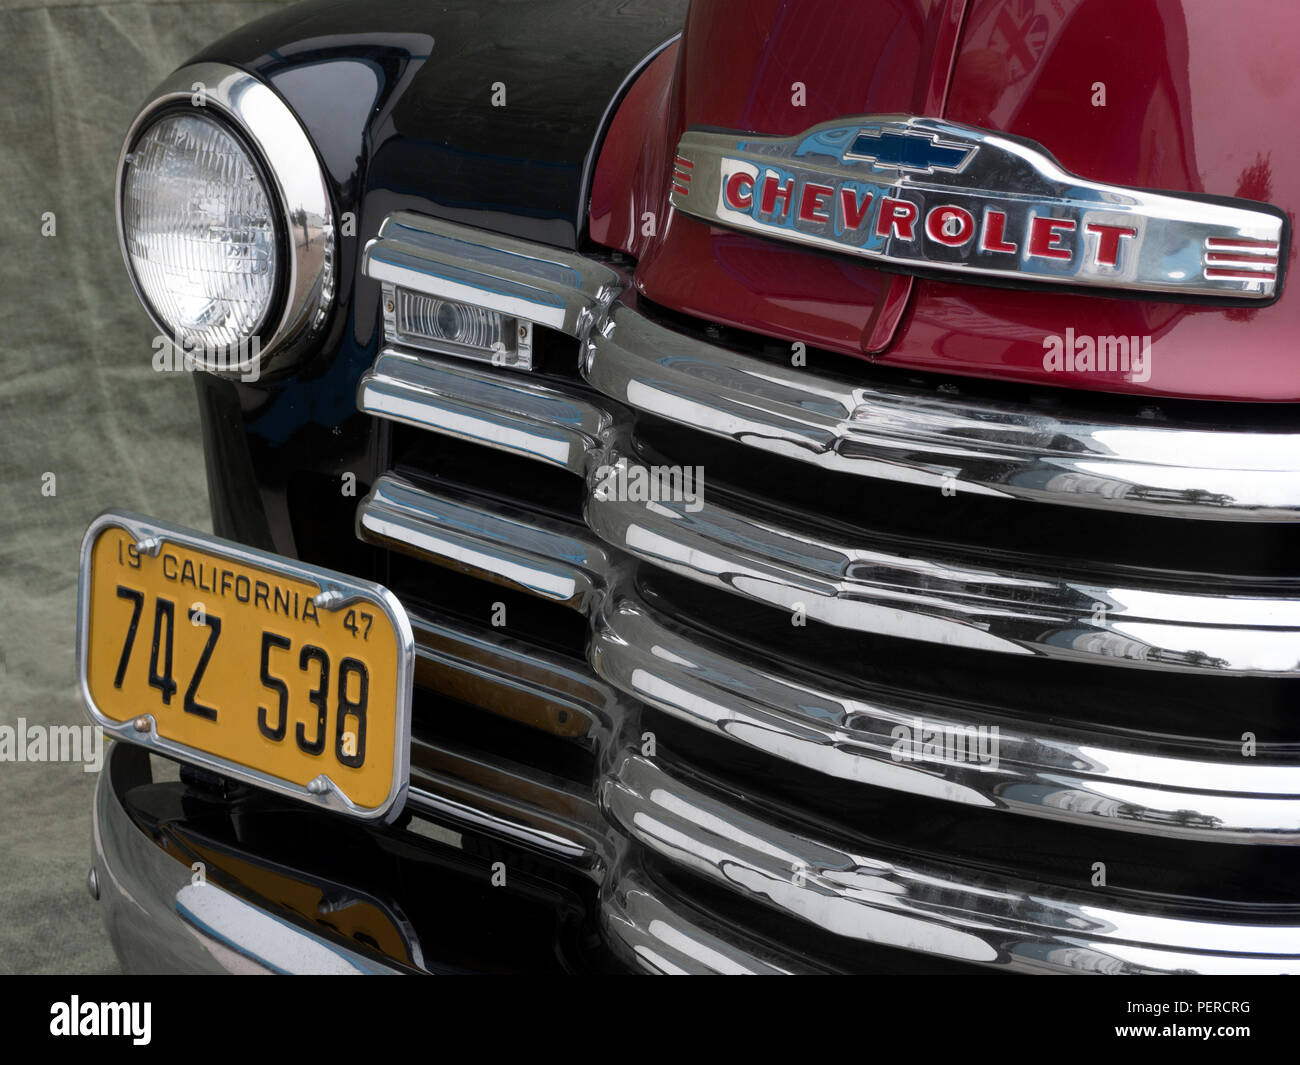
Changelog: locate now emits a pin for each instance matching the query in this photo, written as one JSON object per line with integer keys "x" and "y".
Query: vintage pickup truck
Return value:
{"x": 774, "y": 486}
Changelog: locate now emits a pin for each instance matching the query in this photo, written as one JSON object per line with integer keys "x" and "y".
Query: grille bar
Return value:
{"x": 986, "y": 920}
{"x": 1224, "y": 629}
{"x": 535, "y": 555}
{"x": 917, "y": 437}
{"x": 449, "y": 397}
{"x": 849, "y": 734}
{"x": 1091, "y": 777}
{"x": 487, "y": 793}
{"x": 514, "y": 679}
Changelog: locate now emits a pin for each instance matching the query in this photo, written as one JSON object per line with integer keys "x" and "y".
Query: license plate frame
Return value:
{"x": 150, "y": 535}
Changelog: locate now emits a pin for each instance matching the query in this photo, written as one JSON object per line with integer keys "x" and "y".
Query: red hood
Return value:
{"x": 1186, "y": 87}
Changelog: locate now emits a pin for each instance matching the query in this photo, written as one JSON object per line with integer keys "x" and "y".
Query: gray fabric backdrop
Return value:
{"x": 79, "y": 400}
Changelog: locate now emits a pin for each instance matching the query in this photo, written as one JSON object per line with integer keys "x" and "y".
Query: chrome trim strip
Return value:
{"x": 893, "y": 433}
{"x": 980, "y": 918}
{"x": 513, "y": 679}
{"x": 487, "y": 794}
{"x": 915, "y": 437}
{"x": 879, "y": 588}
{"x": 433, "y": 801}
{"x": 306, "y": 223}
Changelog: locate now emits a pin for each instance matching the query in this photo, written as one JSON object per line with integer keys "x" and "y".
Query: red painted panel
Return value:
{"x": 1191, "y": 89}
{"x": 1193, "y": 95}
{"x": 736, "y": 68}
{"x": 629, "y": 173}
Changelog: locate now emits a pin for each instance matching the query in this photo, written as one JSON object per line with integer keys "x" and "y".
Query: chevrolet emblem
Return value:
{"x": 935, "y": 195}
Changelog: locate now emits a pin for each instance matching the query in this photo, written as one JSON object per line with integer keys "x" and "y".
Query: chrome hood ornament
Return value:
{"x": 927, "y": 194}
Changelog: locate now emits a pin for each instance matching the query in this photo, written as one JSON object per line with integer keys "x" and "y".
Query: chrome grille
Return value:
{"x": 664, "y": 830}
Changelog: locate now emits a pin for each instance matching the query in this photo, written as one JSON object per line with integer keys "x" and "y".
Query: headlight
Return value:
{"x": 200, "y": 233}
{"x": 225, "y": 221}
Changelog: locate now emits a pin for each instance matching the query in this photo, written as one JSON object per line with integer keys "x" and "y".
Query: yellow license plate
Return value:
{"x": 284, "y": 675}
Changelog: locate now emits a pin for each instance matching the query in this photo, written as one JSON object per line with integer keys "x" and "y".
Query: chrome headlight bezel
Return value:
{"x": 283, "y": 153}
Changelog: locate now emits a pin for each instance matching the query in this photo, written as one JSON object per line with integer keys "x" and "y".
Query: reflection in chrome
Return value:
{"x": 660, "y": 935}
{"x": 222, "y": 920}
{"x": 650, "y": 815}
{"x": 968, "y": 916}
{"x": 882, "y": 588}
{"x": 1095, "y": 777}
{"x": 159, "y": 920}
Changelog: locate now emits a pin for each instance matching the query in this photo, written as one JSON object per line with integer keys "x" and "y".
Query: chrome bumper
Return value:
{"x": 160, "y": 921}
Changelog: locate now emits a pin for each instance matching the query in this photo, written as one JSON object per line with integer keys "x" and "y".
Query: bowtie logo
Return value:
{"x": 915, "y": 152}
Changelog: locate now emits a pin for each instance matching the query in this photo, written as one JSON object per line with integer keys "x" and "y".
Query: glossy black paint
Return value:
{"x": 398, "y": 99}
{"x": 398, "y": 96}
{"x": 283, "y": 856}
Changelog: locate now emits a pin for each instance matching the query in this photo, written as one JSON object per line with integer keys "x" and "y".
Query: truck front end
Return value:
{"x": 767, "y": 487}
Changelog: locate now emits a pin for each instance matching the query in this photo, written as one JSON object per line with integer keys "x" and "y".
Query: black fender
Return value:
{"x": 398, "y": 98}
{"x": 403, "y": 99}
